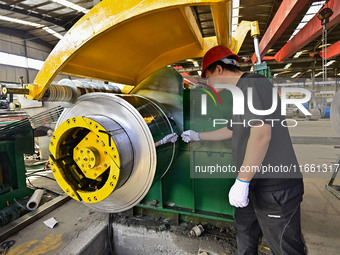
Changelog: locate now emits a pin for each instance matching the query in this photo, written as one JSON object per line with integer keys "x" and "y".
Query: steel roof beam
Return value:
{"x": 287, "y": 12}
{"x": 266, "y": 4}
{"x": 332, "y": 51}
{"x": 39, "y": 5}
{"x": 308, "y": 33}
{"x": 54, "y": 21}
{"x": 25, "y": 36}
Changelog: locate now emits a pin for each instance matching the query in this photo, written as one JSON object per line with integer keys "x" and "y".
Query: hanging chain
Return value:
{"x": 324, "y": 52}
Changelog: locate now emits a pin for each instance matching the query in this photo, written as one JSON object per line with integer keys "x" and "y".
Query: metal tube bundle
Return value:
{"x": 69, "y": 90}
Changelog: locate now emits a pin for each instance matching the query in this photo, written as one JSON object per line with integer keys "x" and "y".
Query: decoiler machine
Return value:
{"x": 102, "y": 152}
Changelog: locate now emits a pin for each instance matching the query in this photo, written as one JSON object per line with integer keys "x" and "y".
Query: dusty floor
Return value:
{"x": 320, "y": 209}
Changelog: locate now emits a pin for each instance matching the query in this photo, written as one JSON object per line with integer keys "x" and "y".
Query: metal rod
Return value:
{"x": 257, "y": 49}
{"x": 18, "y": 91}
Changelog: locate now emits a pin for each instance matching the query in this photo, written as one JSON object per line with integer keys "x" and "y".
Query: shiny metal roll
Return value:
{"x": 316, "y": 114}
{"x": 141, "y": 123}
{"x": 335, "y": 112}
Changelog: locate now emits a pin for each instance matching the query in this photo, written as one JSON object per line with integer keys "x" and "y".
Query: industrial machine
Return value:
{"x": 16, "y": 139}
{"x": 12, "y": 167}
{"x": 103, "y": 149}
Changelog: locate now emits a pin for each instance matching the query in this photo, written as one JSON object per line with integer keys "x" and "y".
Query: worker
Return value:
{"x": 264, "y": 201}
{"x": 172, "y": 138}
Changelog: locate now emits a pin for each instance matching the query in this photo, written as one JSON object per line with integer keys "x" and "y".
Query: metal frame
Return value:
{"x": 332, "y": 51}
{"x": 308, "y": 33}
{"x": 284, "y": 16}
{"x": 334, "y": 189}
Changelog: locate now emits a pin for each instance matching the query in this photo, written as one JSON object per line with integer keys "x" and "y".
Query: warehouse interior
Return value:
{"x": 110, "y": 79}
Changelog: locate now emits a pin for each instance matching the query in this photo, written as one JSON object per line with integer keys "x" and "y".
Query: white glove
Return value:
{"x": 169, "y": 138}
{"x": 238, "y": 194}
{"x": 190, "y": 135}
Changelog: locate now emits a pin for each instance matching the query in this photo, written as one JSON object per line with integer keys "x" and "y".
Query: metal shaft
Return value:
{"x": 66, "y": 90}
{"x": 18, "y": 91}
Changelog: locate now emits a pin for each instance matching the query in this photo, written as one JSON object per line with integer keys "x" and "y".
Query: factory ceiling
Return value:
{"x": 303, "y": 63}
{"x": 48, "y": 20}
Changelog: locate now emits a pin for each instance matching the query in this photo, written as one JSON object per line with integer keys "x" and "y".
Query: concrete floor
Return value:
{"x": 320, "y": 209}
{"x": 77, "y": 226}
{"x": 320, "y": 216}
{"x": 83, "y": 231}
{"x": 319, "y": 128}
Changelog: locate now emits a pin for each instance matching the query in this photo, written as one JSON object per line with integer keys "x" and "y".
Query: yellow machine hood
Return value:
{"x": 126, "y": 41}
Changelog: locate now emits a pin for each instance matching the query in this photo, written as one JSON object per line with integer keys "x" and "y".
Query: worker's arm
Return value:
{"x": 216, "y": 135}
{"x": 256, "y": 151}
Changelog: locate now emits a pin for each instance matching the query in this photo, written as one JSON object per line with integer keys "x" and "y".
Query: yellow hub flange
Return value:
{"x": 94, "y": 160}
{"x": 86, "y": 158}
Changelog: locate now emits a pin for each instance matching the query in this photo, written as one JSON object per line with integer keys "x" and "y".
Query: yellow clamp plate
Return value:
{"x": 93, "y": 155}
{"x": 60, "y": 178}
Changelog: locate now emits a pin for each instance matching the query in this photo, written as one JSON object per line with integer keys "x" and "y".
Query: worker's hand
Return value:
{"x": 238, "y": 194}
{"x": 190, "y": 135}
{"x": 169, "y": 138}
